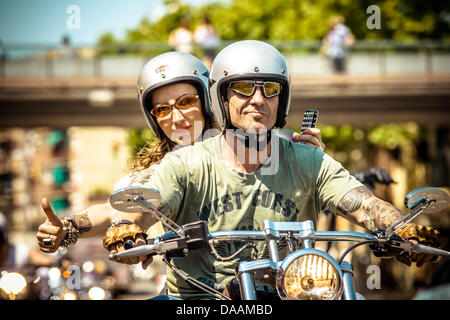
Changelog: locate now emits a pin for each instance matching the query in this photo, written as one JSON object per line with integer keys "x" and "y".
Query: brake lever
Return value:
{"x": 409, "y": 246}
{"x": 388, "y": 246}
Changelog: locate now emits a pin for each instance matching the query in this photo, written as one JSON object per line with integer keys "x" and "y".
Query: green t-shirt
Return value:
{"x": 197, "y": 184}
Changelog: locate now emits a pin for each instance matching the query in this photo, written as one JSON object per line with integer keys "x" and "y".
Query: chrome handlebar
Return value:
{"x": 161, "y": 247}
{"x": 195, "y": 235}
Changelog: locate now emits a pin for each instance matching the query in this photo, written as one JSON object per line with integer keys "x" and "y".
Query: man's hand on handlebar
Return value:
{"x": 118, "y": 236}
{"x": 418, "y": 234}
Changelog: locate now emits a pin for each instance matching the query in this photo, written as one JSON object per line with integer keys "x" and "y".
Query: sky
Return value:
{"x": 47, "y": 21}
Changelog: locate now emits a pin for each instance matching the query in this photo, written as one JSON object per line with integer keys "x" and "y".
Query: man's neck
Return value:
{"x": 242, "y": 158}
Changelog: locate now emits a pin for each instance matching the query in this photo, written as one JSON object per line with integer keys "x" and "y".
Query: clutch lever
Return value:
{"x": 177, "y": 245}
{"x": 409, "y": 246}
{"x": 388, "y": 246}
{"x": 148, "y": 249}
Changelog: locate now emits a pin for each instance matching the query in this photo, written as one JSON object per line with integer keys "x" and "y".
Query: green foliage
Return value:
{"x": 137, "y": 138}
{"x": 294, "y": 20}
{"x": 339, "y": 138}
{"x": 388, "y": 136}
{"x": 289, "y": 20}
{"x": 392, "y": 136}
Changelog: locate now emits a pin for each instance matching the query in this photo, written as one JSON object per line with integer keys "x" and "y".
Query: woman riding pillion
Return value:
{"x": 173, "y": 96}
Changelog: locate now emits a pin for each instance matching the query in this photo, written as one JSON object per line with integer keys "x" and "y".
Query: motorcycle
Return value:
{"x": 305, "y": 273}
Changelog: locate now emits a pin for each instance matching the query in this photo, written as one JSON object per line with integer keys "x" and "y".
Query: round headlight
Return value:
{"x": 309, "y": 275}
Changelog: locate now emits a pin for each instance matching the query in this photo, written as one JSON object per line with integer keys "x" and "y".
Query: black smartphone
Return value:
{"x": 309, "y": 119}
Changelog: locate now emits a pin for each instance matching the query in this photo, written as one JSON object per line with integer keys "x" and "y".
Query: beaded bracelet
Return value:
{"x": 72, "y": 233}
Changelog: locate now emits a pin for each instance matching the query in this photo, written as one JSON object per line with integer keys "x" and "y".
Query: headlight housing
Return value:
{"x": 309, "y": 274}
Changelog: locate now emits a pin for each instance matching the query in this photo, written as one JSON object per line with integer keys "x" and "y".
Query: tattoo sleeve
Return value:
{"x": 82, "y": 222}
{"x": 353, "y": 200}
{"x": 363, "y": 208}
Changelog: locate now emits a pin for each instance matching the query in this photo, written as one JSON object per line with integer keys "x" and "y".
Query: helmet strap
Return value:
{"x": 258, "y": 141}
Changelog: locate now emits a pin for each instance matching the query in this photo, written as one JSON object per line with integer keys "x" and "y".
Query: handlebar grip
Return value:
{"x": 419, "y": 248}
{"x": 134, "y": 252}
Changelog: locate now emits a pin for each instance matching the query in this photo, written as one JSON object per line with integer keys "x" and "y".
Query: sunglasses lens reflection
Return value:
{"x": 161, "y": 111}
{"x": 247, "y": 88}
{"x": 271, "y": 89}
{"x": 184, "y": 102}
{"x": 243, "y": 87}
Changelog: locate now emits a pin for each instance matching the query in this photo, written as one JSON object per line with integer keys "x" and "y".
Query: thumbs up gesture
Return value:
{"x": 51, "y": 232}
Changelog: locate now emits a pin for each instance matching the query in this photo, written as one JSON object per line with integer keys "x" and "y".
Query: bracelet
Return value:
{"x": 72, "y": 233}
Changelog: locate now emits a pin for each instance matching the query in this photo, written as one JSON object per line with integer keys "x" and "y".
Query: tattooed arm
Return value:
{"x": 364, "y": 209}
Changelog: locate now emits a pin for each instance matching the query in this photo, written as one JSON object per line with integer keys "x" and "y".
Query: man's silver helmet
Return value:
{"x": 248, "y": 59}
{"x": 169, "y": 68}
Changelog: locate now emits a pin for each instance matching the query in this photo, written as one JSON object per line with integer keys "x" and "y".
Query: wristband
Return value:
{"x": 71, "y": 232}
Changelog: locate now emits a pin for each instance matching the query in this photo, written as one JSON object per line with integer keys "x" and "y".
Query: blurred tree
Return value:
{"x": 392, "y": 136}
{"x": 108, "y": 44}
{"x": 415, "y": 19}
{"x": 298, "y": 20}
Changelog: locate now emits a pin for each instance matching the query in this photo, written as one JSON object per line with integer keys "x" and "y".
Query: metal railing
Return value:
{"x": 374, "y": 57}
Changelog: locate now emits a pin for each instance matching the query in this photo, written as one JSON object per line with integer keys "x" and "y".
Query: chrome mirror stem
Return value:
{"x": 409, "y": 217}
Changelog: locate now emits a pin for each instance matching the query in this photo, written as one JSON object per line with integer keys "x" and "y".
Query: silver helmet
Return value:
{"x": 169, "y": 68}
{"x": 248, "y": 59}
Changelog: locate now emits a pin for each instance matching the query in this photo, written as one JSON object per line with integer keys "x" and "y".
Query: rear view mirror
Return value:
{"x": 439, "y": 199}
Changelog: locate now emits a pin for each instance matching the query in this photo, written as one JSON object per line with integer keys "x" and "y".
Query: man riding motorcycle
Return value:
{"x": 246, "y": 175}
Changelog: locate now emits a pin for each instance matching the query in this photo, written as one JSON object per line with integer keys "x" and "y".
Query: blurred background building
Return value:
{"x": 69, "y": 116}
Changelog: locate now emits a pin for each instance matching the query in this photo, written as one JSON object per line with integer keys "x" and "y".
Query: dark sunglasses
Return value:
{"x": 183, "y": 102}
{"x": 247, "y": 87}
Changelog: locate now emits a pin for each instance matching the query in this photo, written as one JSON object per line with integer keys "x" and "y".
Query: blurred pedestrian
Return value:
{"x": 337, "y": 43}
{"x": 182, "y": 39}
{"x": 206, "y": 37}
{"x": 66, "y": 50}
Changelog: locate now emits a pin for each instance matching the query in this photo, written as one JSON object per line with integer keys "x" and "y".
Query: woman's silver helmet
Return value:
{"x": 169, "y": 68}
{"x": 248, "y": 59}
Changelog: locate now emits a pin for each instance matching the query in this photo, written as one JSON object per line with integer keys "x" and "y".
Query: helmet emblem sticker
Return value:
{"x": 161, "y": 68}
